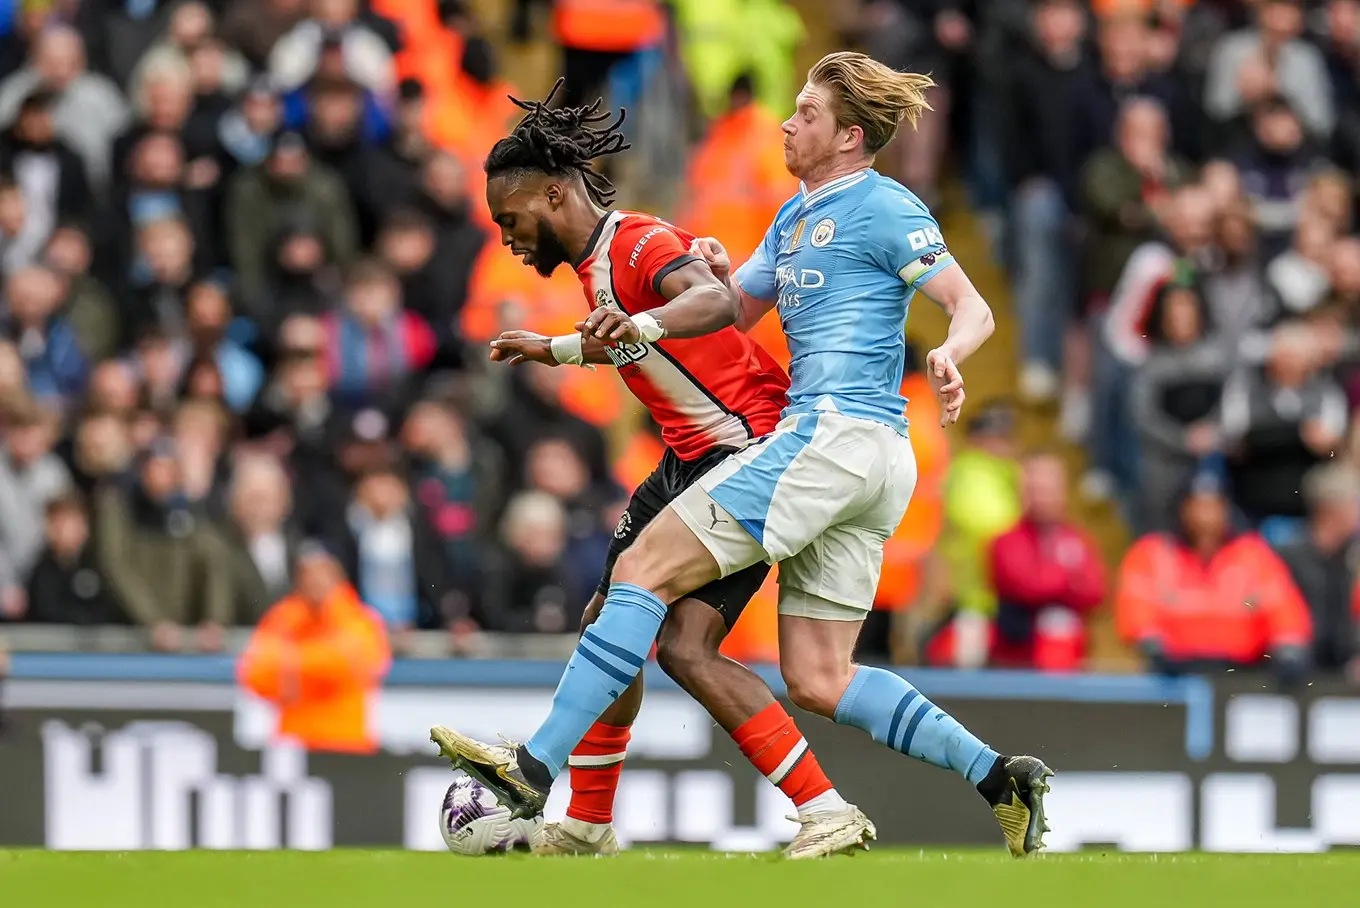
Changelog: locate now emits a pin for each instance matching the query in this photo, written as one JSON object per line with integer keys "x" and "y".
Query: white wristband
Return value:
{"x": 566, "y": 349}
{"x": 649, "y": 327}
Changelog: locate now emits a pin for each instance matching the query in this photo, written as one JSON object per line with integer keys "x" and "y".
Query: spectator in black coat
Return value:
{"x": 435, "y": 264}
{"x": 335, "y": 137}
{"x": 66, "y": 586}
{"x": 50, "y": 175}
{"x": 1040, "y": 149}
{"x": 158, "y": 279}
{"x": 530, "y": 590}
{"x": 162, "y": 106}
{"x": 532, "y": 411}
{"x": 1279, "y": 422}
{"x": 1040, "y": 143}
{"x": 1124, "y": 73}
{"x": 1325, "y": 564}
{"x": 1276, "y": 162}
{"x": 392, "y": 170}
{"x": 395, "y": 561}
{"x": 245, "y": 134}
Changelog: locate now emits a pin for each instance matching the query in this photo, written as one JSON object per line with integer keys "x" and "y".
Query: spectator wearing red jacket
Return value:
{"x": 1208, "y": 598}
{"x": 1048, "y": 576}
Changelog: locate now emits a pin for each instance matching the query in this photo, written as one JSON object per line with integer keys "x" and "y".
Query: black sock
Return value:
{"x": 995, "y": 785}
{"x": 535, "y": 773}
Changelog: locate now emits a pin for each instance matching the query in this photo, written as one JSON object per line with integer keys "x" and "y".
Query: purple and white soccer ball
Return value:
{"x": 473, "y": 822}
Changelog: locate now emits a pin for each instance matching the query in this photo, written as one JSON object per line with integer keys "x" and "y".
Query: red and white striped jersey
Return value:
{"x": 720, "y": 389}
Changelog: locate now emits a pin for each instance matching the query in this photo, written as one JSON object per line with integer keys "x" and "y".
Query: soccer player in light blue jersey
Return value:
{"x": 822, "y": 493}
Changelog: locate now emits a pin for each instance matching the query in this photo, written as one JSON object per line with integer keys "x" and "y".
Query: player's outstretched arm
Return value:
{"x": 516, "y": 347}
{"x": 698, "y": 304}
{"x": 970, "y": 318}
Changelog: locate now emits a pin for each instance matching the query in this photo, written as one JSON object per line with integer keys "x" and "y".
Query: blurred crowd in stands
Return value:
{"x": 248, "y": 279}
{"x": 1172, "y": 193}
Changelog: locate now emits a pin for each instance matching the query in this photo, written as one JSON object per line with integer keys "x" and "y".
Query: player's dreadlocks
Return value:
{"x": 561, "y": 142}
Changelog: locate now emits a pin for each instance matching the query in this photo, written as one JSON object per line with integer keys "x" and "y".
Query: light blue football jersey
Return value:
{"x": 843, "y": 263}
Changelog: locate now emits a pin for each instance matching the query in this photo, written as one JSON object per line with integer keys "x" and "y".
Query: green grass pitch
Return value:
{"x": 692, "y": 879}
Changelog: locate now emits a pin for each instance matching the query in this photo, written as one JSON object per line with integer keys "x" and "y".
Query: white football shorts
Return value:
{"x": 819, "y": 495}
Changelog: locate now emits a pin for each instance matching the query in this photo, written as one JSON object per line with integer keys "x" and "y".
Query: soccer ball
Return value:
{"x": 473, "y": 822}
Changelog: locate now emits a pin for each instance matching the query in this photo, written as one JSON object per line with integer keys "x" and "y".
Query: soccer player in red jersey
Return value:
{"x": 711, "y": 396}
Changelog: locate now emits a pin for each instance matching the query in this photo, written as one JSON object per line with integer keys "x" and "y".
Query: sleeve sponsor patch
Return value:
{"x": 913, "y": 270}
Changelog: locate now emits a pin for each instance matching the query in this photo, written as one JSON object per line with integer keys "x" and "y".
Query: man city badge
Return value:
{"x": 823, "y": 232}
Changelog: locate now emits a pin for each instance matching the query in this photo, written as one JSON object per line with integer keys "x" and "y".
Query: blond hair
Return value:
{"x": 874, "y": 97}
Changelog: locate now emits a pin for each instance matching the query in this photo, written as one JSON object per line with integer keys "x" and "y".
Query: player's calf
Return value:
{"x": 595, "y": 765}
{"x": 763, "y": 730}
{"x": 613, "y": 650}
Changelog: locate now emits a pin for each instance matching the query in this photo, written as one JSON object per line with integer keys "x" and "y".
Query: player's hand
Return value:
{"x": 515, "y": 347}
{"x": 167, "y": 637}
{"x": 211, "y": 637}
{"x": 13, "y": 603}
{"x": 712, "y": 252}
{"x": 611, "y": 326}
{"x": 947, "y": 382}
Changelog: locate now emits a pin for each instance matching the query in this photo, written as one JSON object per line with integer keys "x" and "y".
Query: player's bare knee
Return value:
{"x": 637, "y": 565}
{"x": 683, "y": 659}
{"x": 592, "y": 612}
{"x": 815, "y": 691}
{"x": 688, "y": 643}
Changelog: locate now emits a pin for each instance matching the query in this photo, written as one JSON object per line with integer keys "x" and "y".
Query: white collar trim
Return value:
{"x": 835, "y": 186}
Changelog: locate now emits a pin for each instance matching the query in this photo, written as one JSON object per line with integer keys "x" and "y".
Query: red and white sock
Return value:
{"x": 596, "y": 764}
{"x": 773, "y": 744}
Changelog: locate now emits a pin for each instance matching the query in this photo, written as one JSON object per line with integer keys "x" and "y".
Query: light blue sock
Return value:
{"x": 608, "y": 657}
{"x": 896, "y": 714}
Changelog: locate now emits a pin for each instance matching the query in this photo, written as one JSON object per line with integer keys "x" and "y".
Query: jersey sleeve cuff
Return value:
{"x": 679, "y": 261}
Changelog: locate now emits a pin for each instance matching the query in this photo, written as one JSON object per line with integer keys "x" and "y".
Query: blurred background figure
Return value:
{"x": 31, "y": 477}
{"x": 87, "y": 108}
{"x": 317, "y": 656}
{"x": 66, "y": 585}
{"x": 1175, "y": 402}
{"x": 1210, "y": 596}
{"x": 981, "y": 501}
{"x": 163, "y": 563}
{"x": 1325, "y": 566}
{"x": 1048, "y": 576}
{"x": 260, "y": 535}
{"x": 532, "y": 591}
{"x": 1279, "y": 422}
{"x": 396, "y": 562}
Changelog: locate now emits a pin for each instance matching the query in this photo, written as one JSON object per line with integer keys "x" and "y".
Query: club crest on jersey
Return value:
{"x": 625, "y": 524}
{"x": 823, "y": 233}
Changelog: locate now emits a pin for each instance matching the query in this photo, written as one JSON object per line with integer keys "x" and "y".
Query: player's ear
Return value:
{"x": 554, "y": 193}
{"x": 854, "y": 138}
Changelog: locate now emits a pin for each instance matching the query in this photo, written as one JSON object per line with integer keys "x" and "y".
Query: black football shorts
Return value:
{"x": 672, "y": 476}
